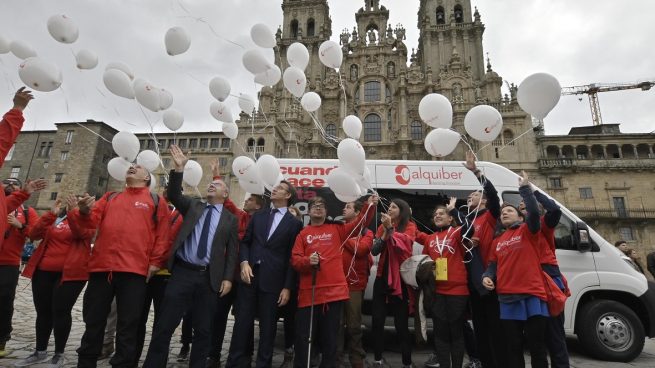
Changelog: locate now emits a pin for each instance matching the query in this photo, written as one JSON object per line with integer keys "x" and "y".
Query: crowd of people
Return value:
{"x": 197, "y": 260}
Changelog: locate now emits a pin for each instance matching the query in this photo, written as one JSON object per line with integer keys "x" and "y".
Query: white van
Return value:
{"x": 612, "y": 306}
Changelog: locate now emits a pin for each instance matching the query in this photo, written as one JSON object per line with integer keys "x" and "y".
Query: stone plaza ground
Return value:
{"x": 23, "y": 343}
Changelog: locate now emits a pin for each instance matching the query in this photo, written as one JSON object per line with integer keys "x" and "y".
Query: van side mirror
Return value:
{"x": 581, "y": 237}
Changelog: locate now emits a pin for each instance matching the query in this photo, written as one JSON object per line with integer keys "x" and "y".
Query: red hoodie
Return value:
{"x": 65, "y": 248}
{"x": 10, "y": 127}
{"x": 12, "y": 247}
{"x": 452, "y": 250}
{"x": 518, "y": 269}
{"x": 357, "y": 260}
{"x": 128, "y": 239}
{"x": 327, "y": 240}
{"x": 484, "y": 229}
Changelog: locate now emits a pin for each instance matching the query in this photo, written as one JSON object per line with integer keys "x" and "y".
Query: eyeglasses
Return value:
{"x": 281, "y": 187}
{"x": 318, "y": 207}
{"x": 10, "y": 182}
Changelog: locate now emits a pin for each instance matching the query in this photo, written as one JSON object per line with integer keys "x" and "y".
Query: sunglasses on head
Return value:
{"x": 11, "y": 182}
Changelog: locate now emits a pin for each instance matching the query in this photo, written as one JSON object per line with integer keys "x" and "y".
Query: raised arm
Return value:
{"x": 490, "y": 192}
{"x": 363, "y": 219}
{"x": 77, "y": 231}
{"x": 525, "y": 189}
{"x": 553, "y": 212}
{"x": 12, "y": 122}
{"x": 181, "y": 202}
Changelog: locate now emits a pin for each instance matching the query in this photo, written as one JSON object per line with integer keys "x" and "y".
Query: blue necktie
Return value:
{"x": 204, "y": 234}
{"x": 271, "y": 217}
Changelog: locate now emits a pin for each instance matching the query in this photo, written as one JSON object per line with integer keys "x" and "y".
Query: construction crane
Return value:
{"x": 592, "y": 91}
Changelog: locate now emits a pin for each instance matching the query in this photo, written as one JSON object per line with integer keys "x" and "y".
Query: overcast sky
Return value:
{"x": 580, "y": 42}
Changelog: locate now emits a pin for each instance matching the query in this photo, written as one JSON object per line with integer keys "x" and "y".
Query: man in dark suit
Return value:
{"x": 202, "y": 262}
{"x": 266, "y": 276}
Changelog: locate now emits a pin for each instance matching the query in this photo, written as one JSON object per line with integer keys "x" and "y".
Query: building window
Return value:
{"x": 555, "y": 182}
{"x": 389, "y": 120}
{"x": 585, "y": 193}
{"x": 53, "y": 196}
{"x": 441, "y": 15}
{"x": 626, "y": 233}
{"x": 166, "y": 162}
{"x": 193, "y": 143}
{"x": 151, "y": 144}
{"x": 331, "y": 130}
{"x": 14, "y": 172}
{"x": 162, "y": 144}
{"x": 69, "y": 137}
{"x": 372, "y": 91}
{"x": 222, "y": 162}
{"x": 372, "y": 128}
{"x": 43, "y": 149}
{"x": 294, "y": 28}
{"x": 58, "y": 177}
{"x": 182, "y": 143}
{"x": 106, "y": 158}
{"x": 619, "y": 206}
{"x": 64, "y": 155}
{"x": 225, "y": 143}
{"x": 162, "y": 180}
{"x": 10, "y": 153}
{"x": 311, "y": 28}
{"x": 416, "y": 130}
{"x": 142, "y": 142}
{"x": 215, "y": 142}
{"x": 508, "y": 138}
{"x": 204, "y": 142}
{"x": 459, "y": 14}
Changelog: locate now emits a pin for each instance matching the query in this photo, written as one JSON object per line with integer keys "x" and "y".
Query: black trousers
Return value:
{"x": 325, "y": 327}
{"x": 187, "y": 329}
{"x": 223, "y": 306}
{"x": 8, "y": 283}
{"x": 288, "y": 313}
{"x": 492, "y": 343}
{"x": 155, "y": 289}
{"x": 469, "y": 341}
{"x": 129, "y": 290}
{"x": 251, "y": 302}
{"x": 53, "y": 301}
{"x": 556, "y": 342}
{"x": 384, "y": 303}
{"x": 448, "y": 313}
{"x": 186, "y": 290}
{"x": 533, "y": 332}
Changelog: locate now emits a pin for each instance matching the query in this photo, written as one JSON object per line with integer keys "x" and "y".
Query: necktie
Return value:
{"x": 271, "y": 217}
{"x": 204, "y": 234}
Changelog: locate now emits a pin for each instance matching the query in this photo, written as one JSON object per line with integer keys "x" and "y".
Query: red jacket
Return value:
{"x": 547, "y": 248}
{"x": 243, "y": 216}
{"x": 517, "y": 256}
{"x": 12, "y": 247}
{"x": 357, "y": 260}
{"x": 410, "y": 232}
{"x": 327, "y": 240}
{"x": 128, "y": 238}
{"x": 484, "y": 229}
{"x": 451, "y": 241}
{"x": 10, "y": 127}
{"x": 65, "y": 248}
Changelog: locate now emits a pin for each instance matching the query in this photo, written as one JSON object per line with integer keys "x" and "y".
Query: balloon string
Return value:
{"x": 94, "y": 133}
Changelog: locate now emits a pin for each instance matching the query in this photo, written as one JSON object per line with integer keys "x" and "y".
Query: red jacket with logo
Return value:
{"x": 65, "y": 248}
{"x": 357, "y": 260}
{"x": 450, "y": 241}
{"x": 128, "y": 238}
{"x": 410, "y": 232}
{"x": 327, "y": 240}
{"x": 10, "y": 127}
{"x": 484, "y": 229}
{"x": 12, "y": 247}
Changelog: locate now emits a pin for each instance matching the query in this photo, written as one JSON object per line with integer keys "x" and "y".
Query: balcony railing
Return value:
{"x": 608, "y": 213}
{"x": 255, "y": 149}
{"x": 613, "y": 163}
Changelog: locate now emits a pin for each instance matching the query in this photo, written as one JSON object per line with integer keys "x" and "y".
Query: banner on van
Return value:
{"x": 418, "y": 174}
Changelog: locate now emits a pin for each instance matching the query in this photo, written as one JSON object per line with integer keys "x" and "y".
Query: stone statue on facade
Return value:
{"x": 372, "y": 38}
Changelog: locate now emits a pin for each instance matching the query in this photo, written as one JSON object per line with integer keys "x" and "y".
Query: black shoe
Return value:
{"x": 213, "y": 362}
{"x": 183, "y": 355}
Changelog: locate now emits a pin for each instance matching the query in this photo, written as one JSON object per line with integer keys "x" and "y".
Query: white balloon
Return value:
{"x": 165, "y": 99}
{"x": 352, "y": 156}
{"x": 173, "y": 119}
{"x": 21, "y": 50}
{"x": 147, "y": 95}
{"x": 122, "y": 67}
{"x": 364, "y": 181}
{"x": 262, "y": 36}
{"x": 441, "y": 142}
{"x": 538, "y": 94}
{"x": 86, "y": 59}
{"x": 4, "y": 45}
{"x": 341, "y": 181}
{"x": 269, "y": 169}
{"x": 126, "y": 145}
{"x": 270, "y": 77}
{"x": 63, "y": 29}
{"x": 221, "y": 112}
{"x": 295, "y": 81}
{"x": 39, "y": 74}
{"x": 245, "y": 168}
{"x": 192, "y": 173}
{"x": 255, "y": 61}
{"x": 298, "y": 56}
{"x": 148, "y": 159}
{"x": 177, "y": 41}
{"x": 118, "y": 83}
{"x": 347, "y": 198}
{"x": 231, "y": 130}
{"x": 311, "y": 101}
{"x": 252, "y": 187}
{"x": 220, "y": 88}
{"x": 117, "y": 168}
{"x": 436, "y": 111}
{"x": 330, "y": 54}
{"x": 246, "y": 103}
{"x": 352, "y": 126}
{"x": 483, "y": 123}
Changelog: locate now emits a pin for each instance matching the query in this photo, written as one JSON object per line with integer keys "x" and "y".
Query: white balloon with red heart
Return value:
{"x": 39, "y": 74}
{"x": 483, "y": 123}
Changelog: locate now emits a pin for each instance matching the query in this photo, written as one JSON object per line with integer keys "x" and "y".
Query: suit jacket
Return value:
{"x": 275, "y": 272}
{"x": 224, "y": 253}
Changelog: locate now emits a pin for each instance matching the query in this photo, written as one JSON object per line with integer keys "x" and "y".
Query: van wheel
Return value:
{"x": 610, "y": 331}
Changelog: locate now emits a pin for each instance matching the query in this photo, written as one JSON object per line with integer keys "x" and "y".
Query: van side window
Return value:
{"x": 513, "y": 198}
{"x": 564, "y": 234}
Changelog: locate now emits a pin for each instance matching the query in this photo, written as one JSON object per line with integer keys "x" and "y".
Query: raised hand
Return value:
{"x": 179, "y": 158}
{"x": 22, "y": 98}
{"x": 71, "y": 202}
{"x": 451, "y": 204}
{"x": 470, "y": 161}
{"x": 386, "y": 220}
{"x": 56, "y": 207}
{"x": 86, "y": 203}
{"x": 32, "y": 186}
{"x": 373, "y": 200}
{"x": 524, "y": 179}
{"x": 13, "y": 221}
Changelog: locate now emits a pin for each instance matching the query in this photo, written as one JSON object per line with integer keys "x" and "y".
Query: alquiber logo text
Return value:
{"x": 405, "y": 174}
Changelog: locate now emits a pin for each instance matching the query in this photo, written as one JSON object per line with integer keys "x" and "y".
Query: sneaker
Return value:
{"x": 432, "y": 361}
{"x": 107, "y": 351}
{"x": 183, "y": 355}
{"x": 34, "y": 358}
{"x": 473, "y": 364}
{"x": 379, "y": 363}
{"x": 3, "y": 350}
{"x": 57, "y": 361}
